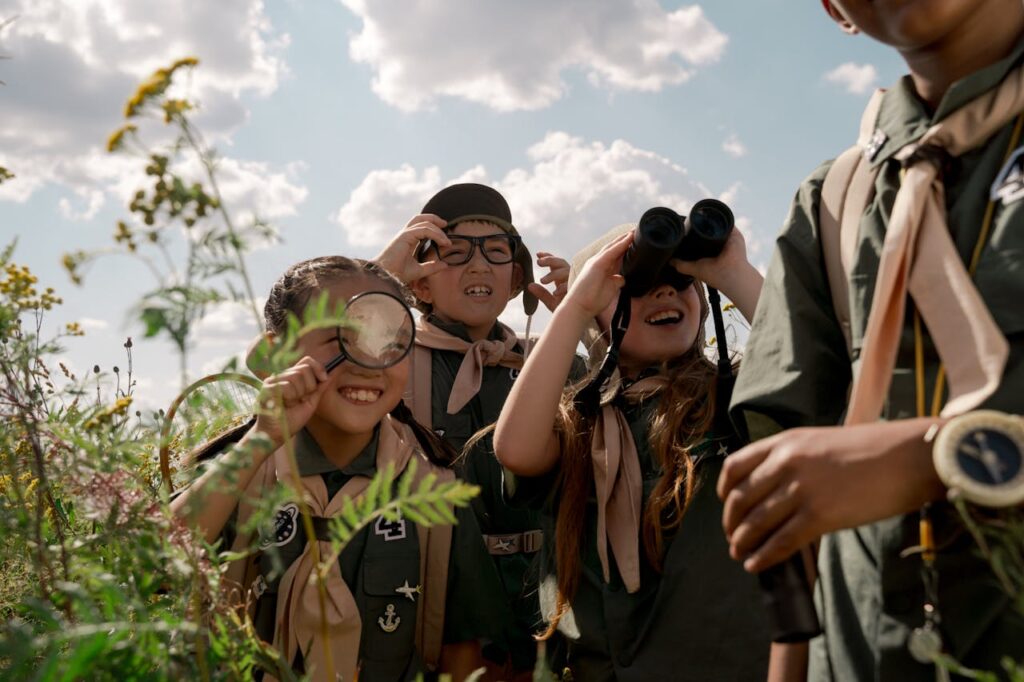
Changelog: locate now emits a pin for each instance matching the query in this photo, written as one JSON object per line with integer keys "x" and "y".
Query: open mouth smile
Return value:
{"x": 361, "y": 396}
{"x": 664, "y": 317}
{"x": 477, "y": 291}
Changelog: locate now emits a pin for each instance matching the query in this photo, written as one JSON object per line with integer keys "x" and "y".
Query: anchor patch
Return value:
{"x": 1009, "y": 184}
{"x": 390, "y": 621}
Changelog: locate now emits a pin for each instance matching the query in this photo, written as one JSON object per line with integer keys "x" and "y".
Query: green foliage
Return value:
{"x": 99, "y": 578}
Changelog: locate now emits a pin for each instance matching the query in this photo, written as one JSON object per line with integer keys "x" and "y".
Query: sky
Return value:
{"x": 336, "y": 120}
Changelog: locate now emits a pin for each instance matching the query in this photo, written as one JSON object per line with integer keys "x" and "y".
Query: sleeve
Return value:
{"x": 795, "y": 369}
{"x": 475, "y": 605}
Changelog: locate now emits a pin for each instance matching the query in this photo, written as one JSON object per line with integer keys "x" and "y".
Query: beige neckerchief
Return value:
{"x": 478, "y": 354}
{"x": 619, "y": 485}
{"x": 919, "y": 257}
{"x": 298, "y": 608}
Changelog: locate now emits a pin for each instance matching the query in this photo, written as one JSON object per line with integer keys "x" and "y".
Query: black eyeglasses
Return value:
{"x": 497, "y": 249}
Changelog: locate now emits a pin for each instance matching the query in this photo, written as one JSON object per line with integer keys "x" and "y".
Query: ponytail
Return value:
{"x": 438, "y": 451}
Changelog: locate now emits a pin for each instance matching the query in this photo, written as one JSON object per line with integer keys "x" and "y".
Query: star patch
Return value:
{"x": 1009, "y": 184}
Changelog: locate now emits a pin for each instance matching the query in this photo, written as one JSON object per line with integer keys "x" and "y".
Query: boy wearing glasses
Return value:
{"x": 464, "y": 260}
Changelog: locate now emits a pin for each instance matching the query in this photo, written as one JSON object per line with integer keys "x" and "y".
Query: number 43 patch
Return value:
{"x": 1009, "y": 184}
{"x": 391, "y": 530}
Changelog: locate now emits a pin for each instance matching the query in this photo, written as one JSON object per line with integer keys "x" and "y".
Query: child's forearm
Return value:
{"x": 524, "y": 440}
{"x": 788, "y": 663}
{"x": 743, "y": 289}
{"x": 210, "y": 500}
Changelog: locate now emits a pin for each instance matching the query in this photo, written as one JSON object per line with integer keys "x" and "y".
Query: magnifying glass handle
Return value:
{"x": 337, "y": 360}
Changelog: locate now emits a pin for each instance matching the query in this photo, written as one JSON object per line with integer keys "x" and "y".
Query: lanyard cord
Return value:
{"x": 929, "y": 574}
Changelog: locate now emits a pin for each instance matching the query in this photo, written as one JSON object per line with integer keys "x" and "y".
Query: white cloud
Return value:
{"x": 569, "y": 193}
{"x": 72, "y": 66}
{"x": 514, "y": 55}
{"x": 92, "y": 324}
{"x": 857, "y": 79}
{"x": 734, "y": 147}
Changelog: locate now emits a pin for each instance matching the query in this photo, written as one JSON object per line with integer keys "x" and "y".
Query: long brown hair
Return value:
{"x": 290, "y": 295}
{"x": 684, "y": 414}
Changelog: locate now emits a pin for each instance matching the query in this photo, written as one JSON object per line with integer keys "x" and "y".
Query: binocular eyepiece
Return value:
{"x": 662, "y": 234}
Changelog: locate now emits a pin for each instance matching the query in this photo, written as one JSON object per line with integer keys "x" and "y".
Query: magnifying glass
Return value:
{"x": 378, "y": 331}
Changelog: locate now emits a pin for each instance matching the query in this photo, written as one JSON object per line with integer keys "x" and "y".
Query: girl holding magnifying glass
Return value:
{"x": 390, "y": 614}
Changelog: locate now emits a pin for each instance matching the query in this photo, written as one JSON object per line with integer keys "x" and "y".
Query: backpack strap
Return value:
{"x": 847, "y": 190}
{"x": 435, "y": 553}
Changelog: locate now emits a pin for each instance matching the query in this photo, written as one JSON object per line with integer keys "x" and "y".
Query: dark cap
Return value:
{"x": 469, "y": 201}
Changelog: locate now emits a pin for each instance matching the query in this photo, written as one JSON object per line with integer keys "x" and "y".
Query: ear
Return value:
{"x": 517, "y": 279}
{"x": 421, "y": 289}
{"x": 845, "y": 24}
{"x": 256, "y": 356}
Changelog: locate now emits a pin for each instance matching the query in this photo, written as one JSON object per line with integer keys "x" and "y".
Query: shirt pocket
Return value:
{"x": 390, "y": 596}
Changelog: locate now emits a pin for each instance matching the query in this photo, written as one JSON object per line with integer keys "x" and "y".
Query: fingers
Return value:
{"x": 427, "y": 218}
{"x": 612, "y": 252}
{"x": 763, "y": 518}
{"x": 685, "y": 267}
{"x": 413, "y": 234}
{"x": 739, "y": 464}
{"x": 428, "y": 268}
{"x": 295, "y": 384}
{"x": 794, "y": 534}
{"x": 549, "y": 299}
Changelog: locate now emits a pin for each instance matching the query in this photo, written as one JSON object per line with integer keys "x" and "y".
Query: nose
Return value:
{"x": 663, "y": 290}
{"x": 477, "y": 262}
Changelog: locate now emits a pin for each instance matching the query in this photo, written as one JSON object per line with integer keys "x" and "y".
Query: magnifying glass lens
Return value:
{"x": 378, "y": 330}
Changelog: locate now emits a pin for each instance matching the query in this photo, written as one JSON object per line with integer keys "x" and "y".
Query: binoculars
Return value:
{"x": 662, "y": 234}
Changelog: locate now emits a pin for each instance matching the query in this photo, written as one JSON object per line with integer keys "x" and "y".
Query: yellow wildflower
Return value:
{"x": 117, "y": 139}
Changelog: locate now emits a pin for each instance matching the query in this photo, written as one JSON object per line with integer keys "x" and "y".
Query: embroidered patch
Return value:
{"x": 259, "y": 586}
{"x": 875, "y": 144}
{"x": 285, "y": 526}
{"x": 390, "y": 621}
{"x": 408, "y": 591}
{"x": 513, "y": 373}
{"x": 1009, "y": 184}
{"x": 391, "y": 530}
{"x": 439, "y": 432}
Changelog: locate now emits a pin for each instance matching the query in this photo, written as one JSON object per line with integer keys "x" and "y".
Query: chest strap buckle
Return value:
{"x": 514, "y": 543}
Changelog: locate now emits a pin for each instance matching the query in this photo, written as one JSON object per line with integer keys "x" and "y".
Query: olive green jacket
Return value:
{"x": 796, "y": 372}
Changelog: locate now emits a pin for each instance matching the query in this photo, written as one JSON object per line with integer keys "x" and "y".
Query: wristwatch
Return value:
{"x": 981, "y": 454}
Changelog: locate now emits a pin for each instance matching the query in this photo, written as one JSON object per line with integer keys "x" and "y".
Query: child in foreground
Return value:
{"x": 346, "y": 424}
{"x": 910, "y": 323}
{"x": 636, "y": 572}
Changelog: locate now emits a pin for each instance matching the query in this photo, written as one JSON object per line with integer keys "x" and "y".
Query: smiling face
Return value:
{"x": 358, "y": 398}
{"x": 474, "y": 293}
{"x": 663, "y": 325}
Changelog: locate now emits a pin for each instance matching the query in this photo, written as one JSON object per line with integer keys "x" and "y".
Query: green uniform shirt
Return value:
{"x": 796, "y": 372}
{"x": 518, "y": 572}
{"x": 701, "y": 620}
{"x": 470, "y": 602}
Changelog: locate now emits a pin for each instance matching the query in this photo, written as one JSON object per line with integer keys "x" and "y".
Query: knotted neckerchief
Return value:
{"x": 298, "y": 604}
{"x": 478, "y": 354}
{"x": 619, "y": 485}
{"x": 919, "y": 257}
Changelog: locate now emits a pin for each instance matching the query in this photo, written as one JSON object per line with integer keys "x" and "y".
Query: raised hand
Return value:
{"x": 287, "y": 400}
{"x": 600, "y": 280}
{"x": 399, "y": 256}
{"x": 558, "y": 274}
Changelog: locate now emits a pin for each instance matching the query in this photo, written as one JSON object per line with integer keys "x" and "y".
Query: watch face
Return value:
{"x": 988, "y": 456}
{"x": 981, "y": 454}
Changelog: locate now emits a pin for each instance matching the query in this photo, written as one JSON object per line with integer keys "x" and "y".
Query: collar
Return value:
{"x": 904, "y": 118}
{"x": 311, "y": 459}
{"x": 458, "y": 329}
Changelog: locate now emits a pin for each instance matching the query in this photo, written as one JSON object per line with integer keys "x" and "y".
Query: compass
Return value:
{"x": 981, "y": 454}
